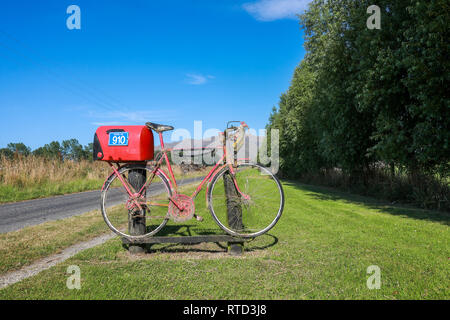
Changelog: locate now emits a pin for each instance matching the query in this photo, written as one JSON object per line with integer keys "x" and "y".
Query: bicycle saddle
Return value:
{"x": 158, "y": 127}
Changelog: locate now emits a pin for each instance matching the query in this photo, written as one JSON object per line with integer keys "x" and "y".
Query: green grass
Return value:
{"x": 320, "y": 249}
{"x": 259, "y": 211}
{"x": 11, "y": 193}
{"x": 24, "y": 246}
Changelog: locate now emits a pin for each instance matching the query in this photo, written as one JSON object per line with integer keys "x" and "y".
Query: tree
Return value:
{"x": 298, "y": 142}
{"x": 7, "y": 153}
{"x": 18, "y": 149}
{"x": 87, "y": 151}
{"x": 72, "y": 150}
{"x": 50, "y": 150}
{"x": 363, "y": 96}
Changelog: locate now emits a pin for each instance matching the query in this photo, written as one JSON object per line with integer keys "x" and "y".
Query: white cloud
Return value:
{"x": 107, "y": 123}
{"x": 197, "y": 79}
{"x": 269, "y": 10}
{"x": 131, "y": 117}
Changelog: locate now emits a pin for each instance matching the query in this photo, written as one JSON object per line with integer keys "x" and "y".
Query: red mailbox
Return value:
{"x": 123, "y": 143}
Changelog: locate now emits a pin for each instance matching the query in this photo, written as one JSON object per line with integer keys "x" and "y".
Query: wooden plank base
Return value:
{"x": 235, "y": 245}
{"x": 187, "y": 239}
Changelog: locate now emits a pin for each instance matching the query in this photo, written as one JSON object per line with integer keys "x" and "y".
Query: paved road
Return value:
{"x": 15, "y": 216}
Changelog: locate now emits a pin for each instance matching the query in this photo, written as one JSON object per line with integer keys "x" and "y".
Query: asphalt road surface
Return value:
{"x": 15, "y": 216}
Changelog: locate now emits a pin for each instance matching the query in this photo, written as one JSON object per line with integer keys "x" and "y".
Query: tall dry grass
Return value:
{"x": 31, "y": 171}
{"x": 33, "y": 177}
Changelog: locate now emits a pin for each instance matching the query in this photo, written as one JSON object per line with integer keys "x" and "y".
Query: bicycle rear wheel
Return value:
{"x": 151, "y": 207}
{"x": 253, "y": 209}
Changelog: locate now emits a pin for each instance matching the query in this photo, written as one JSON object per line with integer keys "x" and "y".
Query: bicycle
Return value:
{"x": 251, "y": 191}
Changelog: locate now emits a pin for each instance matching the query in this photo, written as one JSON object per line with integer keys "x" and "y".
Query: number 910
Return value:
{"x": 118, "y": 139}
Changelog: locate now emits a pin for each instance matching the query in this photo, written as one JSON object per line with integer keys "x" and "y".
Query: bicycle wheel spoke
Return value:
{"x": 119, "y": 208}
{"x": 150, "y": 178}
{"x": 130, "y": 187}
{"x": 258, "y": 207}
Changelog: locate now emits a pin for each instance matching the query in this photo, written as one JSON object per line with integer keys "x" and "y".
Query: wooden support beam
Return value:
{"x": 234, "y": 213}
{"x": 184, "y": 239}
{"x": 137, "y": 225}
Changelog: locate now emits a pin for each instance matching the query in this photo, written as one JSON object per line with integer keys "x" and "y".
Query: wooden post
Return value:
{"x": 137, "y": 226}
{"x": 234, "y": 213}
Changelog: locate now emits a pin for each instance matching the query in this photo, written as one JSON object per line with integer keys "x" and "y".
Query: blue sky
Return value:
{"x": 170, "y": 62}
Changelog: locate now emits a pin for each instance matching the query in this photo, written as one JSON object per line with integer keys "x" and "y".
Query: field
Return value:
{"x": 321, "y": 248}
{"x": 33, "y": 177}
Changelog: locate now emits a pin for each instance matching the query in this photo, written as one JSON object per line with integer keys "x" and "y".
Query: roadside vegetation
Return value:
{"x": 54, "y": 169}
{"x": 28, "y": 176}
{"x": 368, "y": 110}
{"x": 320, "y": 249}
{"x": 25, "y": 246}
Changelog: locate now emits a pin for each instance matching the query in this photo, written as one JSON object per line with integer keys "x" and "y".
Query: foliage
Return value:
{"x": 15, "y": 149}
{"x": 66, "y": 150}
{"x": 363, "y": 99}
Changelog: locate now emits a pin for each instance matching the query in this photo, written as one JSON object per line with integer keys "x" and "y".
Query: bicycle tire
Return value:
{"x": 214, "y": 201}
{"x": 106, "y": 209}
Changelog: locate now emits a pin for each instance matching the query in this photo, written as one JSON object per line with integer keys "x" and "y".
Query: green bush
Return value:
{"x": 364, "y": 97}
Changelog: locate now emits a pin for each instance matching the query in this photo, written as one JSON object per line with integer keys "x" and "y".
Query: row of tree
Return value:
{"x": 66, "y": 150}
{"x": 365, "y": 98}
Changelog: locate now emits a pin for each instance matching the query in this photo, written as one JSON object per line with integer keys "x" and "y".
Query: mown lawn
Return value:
{"x": 25, "y": 246}
{"x": 320, "y": 249}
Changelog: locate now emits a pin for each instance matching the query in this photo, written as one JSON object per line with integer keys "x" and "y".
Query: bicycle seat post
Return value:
{"x": 161, "y": 140}
{"x": 163, "y": 150}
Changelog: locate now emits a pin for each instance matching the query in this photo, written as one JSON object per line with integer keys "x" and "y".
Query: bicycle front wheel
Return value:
{"x": 248, "y": 205}
{"x": 149, "y": 209}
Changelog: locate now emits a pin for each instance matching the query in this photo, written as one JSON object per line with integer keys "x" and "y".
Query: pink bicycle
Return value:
{"x": 248, "y": 190}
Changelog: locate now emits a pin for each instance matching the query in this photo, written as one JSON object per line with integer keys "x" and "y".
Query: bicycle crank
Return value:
{"x": 181, "y": 208}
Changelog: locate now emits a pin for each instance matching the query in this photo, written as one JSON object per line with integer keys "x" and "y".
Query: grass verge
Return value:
{"x": 12, "y": 193}
{"x": 320, "y": 249}
{"x": 24, "y": 246}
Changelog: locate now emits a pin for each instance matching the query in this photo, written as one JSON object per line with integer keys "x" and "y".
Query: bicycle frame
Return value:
{"x": 159, "y": 159}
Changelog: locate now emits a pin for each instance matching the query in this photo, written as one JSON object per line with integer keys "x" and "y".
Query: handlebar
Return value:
{"x": 239, "y": 132}
{"x": 242, "y": 123}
